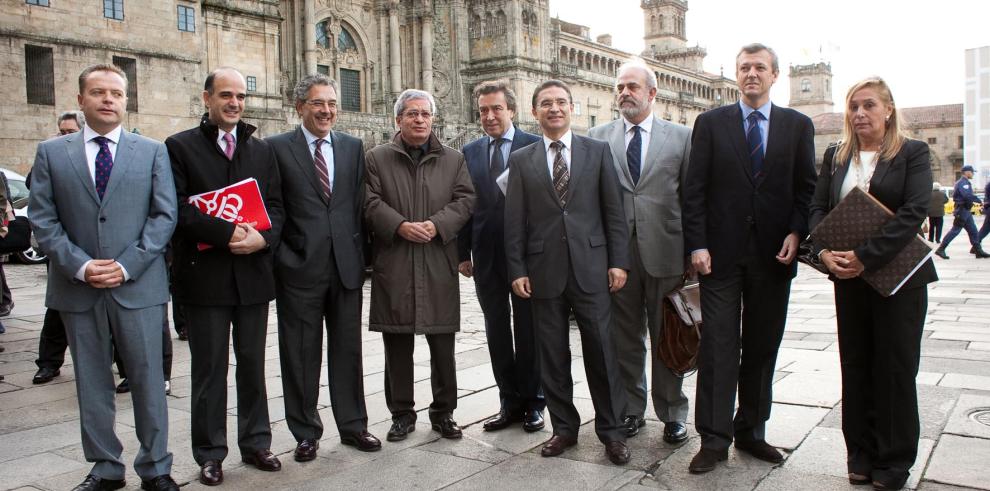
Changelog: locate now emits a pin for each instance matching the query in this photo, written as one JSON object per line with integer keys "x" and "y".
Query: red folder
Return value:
{"x": 240, "y": 202}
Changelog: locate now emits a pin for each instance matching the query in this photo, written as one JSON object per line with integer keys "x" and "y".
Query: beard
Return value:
{"x": 633, "y": 111}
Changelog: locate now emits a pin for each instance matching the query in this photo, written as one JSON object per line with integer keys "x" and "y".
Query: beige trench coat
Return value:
{"x": 414, "y": 287}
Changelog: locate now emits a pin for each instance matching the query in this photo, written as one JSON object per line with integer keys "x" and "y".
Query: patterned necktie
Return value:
{"x": 229, "y": 149}
{"x": 497, "y": 165}
{"x": 560, "y": 173}
{"x": 755, "y": 140}
{"x": 321, "y": 169}
{"x": 633, "y": 152}
{"x": 104, "y": 164}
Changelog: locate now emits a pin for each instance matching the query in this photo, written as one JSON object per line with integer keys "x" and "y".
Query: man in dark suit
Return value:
{"x": 750, "y": 181}
{"x": 103, "y": 208}
{"x": 482, "y": 254}
{"x": 319, "y": 271}
{"x": 567, "y": 247}
{"x": 230, "y": 283}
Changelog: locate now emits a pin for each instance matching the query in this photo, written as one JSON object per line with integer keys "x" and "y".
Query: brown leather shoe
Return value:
{"x": 363, "y": 441}
{"x": 617, "y": 452}
{"x": 761, "y": 450}
{"x": 706, "y": 459}
{"x": 263, "y": 460}
{"x": 211, "y": 473}
{"x": 556, "y": 445}
{"x": 306, "y": 450}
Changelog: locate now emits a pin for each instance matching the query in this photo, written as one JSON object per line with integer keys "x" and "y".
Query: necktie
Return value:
{"x": 229, "y": 150}
{"x": 321, "y": 169}
{"x": 560, "y": 173}
{"x": 633, "y": 152}
{"x": 755, "y": 140}
{"x": 497, "y": 165}
{"x": 104, "y": 164}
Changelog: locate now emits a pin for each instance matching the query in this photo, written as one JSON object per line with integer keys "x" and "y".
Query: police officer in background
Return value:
{"x": 962, "y": 195}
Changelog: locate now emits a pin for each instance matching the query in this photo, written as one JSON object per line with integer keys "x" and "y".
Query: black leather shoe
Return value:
{"x": 941, "y": 253}
{"x": 761, "y": 450}
{"x": 674, "y": 432}
{"x": 556, "y": 445}
{"x": 263, "y": 460}
{"x": 632, "y": 424}
{"x": 617, "y": 452}
{"x": 306, "y": 450}
{"x": 163, "y": 482}
{"x": 124, "y": 387}
{"x": 94, "y": 483}
{"x": 533, "y": 421}
{"x": 183, "y": 334}
{"x": 401, "y": 428}
{"x": 448, "y": 428}
{"x": 980, "y": 254}
{"x": 211, "y": 473}
{"x": 859, "y": 479}
{"x": 45, "y": 375}
{"x": 363, "y": 441}
{"x": 706, "y": 459}
{"x": 502, "y": 420}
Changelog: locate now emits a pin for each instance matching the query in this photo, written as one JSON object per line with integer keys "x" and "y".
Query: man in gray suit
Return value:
{"x": 103, "y": 207}
{"x": 651, "y": 158}
{"x": 567, "y": 247}
{"x": 319, "y": 271}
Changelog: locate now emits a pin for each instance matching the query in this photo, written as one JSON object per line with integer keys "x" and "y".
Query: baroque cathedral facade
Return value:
{"x": 373, "y": 48}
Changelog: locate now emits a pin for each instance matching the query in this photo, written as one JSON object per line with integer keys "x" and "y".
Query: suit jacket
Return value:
{"x": 544, "y": 239}
{"x": 903, "y": 185}
{"x": 724, "y": 201}
{"x": 131, "y": 224}
{"x": 653, "y": 204}
{"x": 481, "y": 239}
{"x": 317, "y": 231}
{"x": 215, "y": 276}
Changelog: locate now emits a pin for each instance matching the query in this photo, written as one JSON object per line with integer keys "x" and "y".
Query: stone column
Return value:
{"x": 428, "y": 52}
{"x": 394, "y": 64}
{"x": 309, "y": 36}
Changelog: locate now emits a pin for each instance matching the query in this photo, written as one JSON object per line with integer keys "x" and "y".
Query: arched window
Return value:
{"x": 345, "y": 42}
{"x": 321, "y": 34}
{"x": 805, "y": 85}
{"x": 476, "y": 30}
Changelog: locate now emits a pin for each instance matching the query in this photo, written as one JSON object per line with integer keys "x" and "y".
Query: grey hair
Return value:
{"x": 651, "y": 78}
{"x": 301, "y": 91}
{"x": 78, "y": 116}
{"x": 411, "y": 95}
{"x": 756, "y": 48}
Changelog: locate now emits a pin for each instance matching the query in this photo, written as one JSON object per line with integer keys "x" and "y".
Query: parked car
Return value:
{"x": 976, "y": 210}
{"x": 19, "y": 197}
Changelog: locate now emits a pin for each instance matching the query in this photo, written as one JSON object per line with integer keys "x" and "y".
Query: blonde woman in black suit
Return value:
{"x": 879, "y": 337}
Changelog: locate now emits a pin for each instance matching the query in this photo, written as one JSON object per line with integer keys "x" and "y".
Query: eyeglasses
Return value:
{"x": 417, "y": 114}
{"x": 318, "y": 104}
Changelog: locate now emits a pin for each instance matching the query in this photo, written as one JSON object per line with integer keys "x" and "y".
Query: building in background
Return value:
{"x": 976, "y": 107}
{"x": 811, "y": 88}
{"x": 374, "y": 48}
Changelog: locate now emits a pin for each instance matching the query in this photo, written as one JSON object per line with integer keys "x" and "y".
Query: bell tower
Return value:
{"x": 664, "y": 22}
{"x": 811, "y": 88}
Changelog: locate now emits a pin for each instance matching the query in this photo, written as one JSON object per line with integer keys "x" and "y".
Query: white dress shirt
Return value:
{"x": 566, "y": 152}
{"x": 326, "y": 149}
{"x": 223, "y": 144}
{"x": 92, "y": 149}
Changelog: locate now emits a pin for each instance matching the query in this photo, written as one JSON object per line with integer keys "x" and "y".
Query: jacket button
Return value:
{"x": 749, "y": 219}
{"x": 103, "y": 219}
{"x": 563, "y": 238}
{"x": 565, "y": 213}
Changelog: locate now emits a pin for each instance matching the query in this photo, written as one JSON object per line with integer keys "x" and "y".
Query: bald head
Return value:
{"x": 224, "y": 94}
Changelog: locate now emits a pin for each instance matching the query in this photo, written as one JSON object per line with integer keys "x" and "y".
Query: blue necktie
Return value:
{"x": 633, "y": 151}
{"x": 104, "y": 164}
{"x": 755, "y": 140}
{"x": 497, "y": 163}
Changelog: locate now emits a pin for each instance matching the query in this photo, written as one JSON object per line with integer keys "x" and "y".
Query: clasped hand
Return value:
{"x": 419, "y": 232}
{"x": 246, "y": 239}
{"x": 104, "y": 273}
{"x": 843, "y": 264}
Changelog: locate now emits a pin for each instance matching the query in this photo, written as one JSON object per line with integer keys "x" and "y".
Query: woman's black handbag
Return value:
{"x": 806, "y": 254}
{"x": 18, "y": 237}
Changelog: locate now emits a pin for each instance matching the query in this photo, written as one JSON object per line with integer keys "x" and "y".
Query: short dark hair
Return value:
{"x": 552, "y": 83}
{"x": 756, "y": 48}
{"x": 102, "y": 67}
{"x": 493, "y": 86}
{"x": 208, "y": 85}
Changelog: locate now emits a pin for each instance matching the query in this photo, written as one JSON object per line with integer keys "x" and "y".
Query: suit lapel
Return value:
{"x": 658, "y": 138}
{"x": 778, "y": 125}
{"x": 838, "y": 176}
{"x": 881, "y": 170}
{"x": 341, "y": 173}
{"x": 75, "y": 146}
{"x": 734, "y": 126}
{"x": 579, "y": 153}
{"x": 539, "y": 158}
{"x": 617, "y": 140}
{"x": 122, "y": 161}
{"x": 300, "y": 150}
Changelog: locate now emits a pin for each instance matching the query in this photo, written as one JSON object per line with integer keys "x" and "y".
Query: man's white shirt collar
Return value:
{"x": 113, "y": 135}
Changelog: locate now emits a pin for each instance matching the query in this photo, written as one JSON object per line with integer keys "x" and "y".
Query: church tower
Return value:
{"x": 665, "y": 36}
{"x": 811, "y": 88}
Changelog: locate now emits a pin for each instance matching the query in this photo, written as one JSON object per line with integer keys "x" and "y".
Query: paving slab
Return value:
{"x": 530, "y": 471}
{"x": 739, "y": 472}
{"x": 961, "y": 461}
{"x": 408, "y": 469}
{"x": 963, "y": 381}
{"x": 809, "y": 389}
{"x": 789, "y": 424}
{"x": 783, "y": 479}
{"x": 970, "y": 416}
{"x": 31, "y": 469}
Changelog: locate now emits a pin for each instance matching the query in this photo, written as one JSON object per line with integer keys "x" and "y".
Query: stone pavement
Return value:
{"x": 39, "y": 428}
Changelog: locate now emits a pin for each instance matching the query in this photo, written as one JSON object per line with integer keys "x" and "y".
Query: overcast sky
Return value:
{"x": 917, "y": 46}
